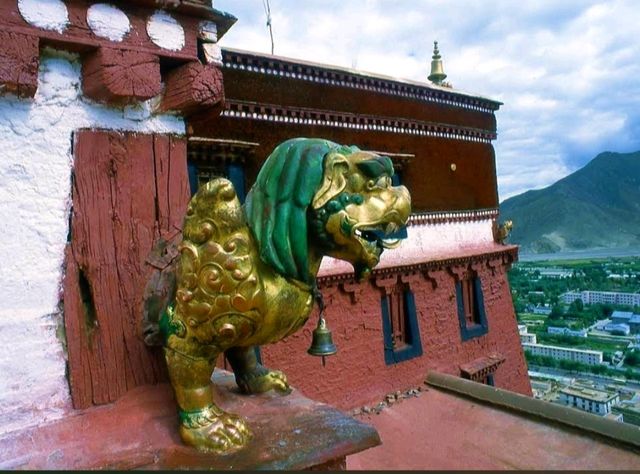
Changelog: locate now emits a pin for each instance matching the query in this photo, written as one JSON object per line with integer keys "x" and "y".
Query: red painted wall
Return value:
{"x": 358, "y": 375}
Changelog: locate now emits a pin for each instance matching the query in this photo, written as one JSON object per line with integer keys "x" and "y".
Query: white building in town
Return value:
{"x": 618, "y": 328}
{"x": 588, "y": 399}
{"x": 593, "y": 297}
{"x": 555, "y": 272}
{"x": 525, "y": 337}
{"x": 626, "y": 318}
{"x": 567, "y": 331}
{"x": 564, "y": 353}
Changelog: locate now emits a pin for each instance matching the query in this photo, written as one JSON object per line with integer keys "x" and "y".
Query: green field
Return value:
{"x": 532, "y": 317}
{"x": 589, "y": 343}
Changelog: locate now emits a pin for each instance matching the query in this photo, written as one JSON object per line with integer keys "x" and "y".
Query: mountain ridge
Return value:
{"x": 597, "y": 206}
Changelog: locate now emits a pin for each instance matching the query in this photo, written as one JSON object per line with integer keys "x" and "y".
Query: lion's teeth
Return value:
{"x": 390, "y": 243}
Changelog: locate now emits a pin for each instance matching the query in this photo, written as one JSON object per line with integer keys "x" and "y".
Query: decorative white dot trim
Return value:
{"x": 45, "y": 14}
{"x": 165, "y": 31}
{"x": 107, "y": 21}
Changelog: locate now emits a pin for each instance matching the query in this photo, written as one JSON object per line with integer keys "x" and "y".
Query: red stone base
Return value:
{"x": 140, "y": 430}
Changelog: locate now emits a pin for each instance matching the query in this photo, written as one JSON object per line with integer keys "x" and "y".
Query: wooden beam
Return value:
{"x": 192, "y": 87}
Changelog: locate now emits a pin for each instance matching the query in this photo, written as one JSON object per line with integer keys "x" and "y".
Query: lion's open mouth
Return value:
{"x": 375, "y": 237}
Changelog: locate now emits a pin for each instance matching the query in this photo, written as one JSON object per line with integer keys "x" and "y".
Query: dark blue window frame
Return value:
{"x": 413, "y": 347}
{"x": 480, "y": 327}
{"x": 232, "y": 171}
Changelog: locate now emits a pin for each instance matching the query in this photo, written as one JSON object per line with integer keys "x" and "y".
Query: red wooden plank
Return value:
{"x": 126, "y": 187}
{"x": 79, "y": 375}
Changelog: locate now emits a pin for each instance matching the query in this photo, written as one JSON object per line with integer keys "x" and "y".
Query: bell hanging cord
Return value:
{"x": 317, "y": 295}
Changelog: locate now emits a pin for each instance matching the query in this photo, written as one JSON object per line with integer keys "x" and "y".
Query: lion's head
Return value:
{"x": 314, "y": 196}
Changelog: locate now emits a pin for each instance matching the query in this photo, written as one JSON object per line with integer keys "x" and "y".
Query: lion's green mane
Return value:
{"x": 276, "y": 206}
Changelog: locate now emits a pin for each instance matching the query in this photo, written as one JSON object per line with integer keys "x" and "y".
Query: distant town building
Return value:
{"x": 588, "y": 399}
{"x": 627, "y": 318}
{"x": 617, "y": 276}
{"x": 634, "y": 324}
{"x": 546, "y": 310}
{"x": 541, "y": 389}
{"x": 567, "y": 331}
{"x": 619, "y": 317}
{"x": 630, "y": 410}
{"x": 525, "y": 337}
{"x": 555, "y": 273}
{"x": 564, "y": 353}
{"x": 618, "y": 329}
{"x": 593, "y": 297}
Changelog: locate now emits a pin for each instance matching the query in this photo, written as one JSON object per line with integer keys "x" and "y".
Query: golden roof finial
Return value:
{"x": 437, "y": 71}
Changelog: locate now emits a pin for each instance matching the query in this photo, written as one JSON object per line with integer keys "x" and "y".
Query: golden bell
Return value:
{"x": 322, "y": 344}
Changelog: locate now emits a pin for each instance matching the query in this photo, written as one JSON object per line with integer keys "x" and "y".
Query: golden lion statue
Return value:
{"x": 247, "y": 274}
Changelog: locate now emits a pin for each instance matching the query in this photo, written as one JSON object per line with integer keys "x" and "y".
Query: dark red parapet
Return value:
{"x": 140, "y": 431}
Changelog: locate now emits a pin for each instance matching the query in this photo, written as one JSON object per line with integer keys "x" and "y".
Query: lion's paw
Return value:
{"x": 212, "y": 430}
{"x": 262, "y": 380}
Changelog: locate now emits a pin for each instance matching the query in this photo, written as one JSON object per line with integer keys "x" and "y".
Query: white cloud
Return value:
{"x": 566, "y": 71}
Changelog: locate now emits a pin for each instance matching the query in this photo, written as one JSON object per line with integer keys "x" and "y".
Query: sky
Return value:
{"x": 568, "y": 71}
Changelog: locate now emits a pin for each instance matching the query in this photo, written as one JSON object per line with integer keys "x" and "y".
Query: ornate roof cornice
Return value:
{"x": 307, "y": 116}
{"x": 507, "y": 255}
{"x": 440, "y": 217}
{"x": 342, "y": 77}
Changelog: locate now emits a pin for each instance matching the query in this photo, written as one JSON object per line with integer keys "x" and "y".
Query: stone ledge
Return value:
{"x": 620, "y": 433}
{"x": 139, "y": 431}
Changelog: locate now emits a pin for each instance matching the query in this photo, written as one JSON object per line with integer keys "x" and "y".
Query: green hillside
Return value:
{"x": 597, "y": 206}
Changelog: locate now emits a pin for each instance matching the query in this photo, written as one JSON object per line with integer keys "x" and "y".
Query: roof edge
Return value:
{"x": 356, "y": 72}
{"x": 619, "y": 432}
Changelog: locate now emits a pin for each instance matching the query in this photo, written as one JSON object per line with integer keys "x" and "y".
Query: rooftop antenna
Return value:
{"x": 267, "y": 10}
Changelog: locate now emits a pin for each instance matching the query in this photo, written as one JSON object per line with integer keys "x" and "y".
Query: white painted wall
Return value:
{"x": 35, "y": 170}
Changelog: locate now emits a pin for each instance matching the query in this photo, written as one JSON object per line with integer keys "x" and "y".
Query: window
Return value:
{"x": 209, "y": 158}
{"x": 200, "y": 173}
{"x": 488, "y": 380}
{"x": 400, "y": 325}
{"x": 471, "y": 313}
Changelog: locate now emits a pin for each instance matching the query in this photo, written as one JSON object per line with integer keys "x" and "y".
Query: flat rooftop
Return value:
{"x": 457, "y": 424}
{"x": 568, "y": 349}
{"x": 589, "y": 394}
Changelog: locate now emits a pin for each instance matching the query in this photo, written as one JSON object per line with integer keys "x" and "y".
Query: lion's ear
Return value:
{"x": 334, "y": 179}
